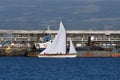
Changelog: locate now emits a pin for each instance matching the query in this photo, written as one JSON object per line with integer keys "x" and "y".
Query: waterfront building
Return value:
{"x": 79, "y": 37}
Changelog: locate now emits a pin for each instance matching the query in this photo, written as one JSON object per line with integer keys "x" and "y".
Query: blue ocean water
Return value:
{"x": 27, "y": 68}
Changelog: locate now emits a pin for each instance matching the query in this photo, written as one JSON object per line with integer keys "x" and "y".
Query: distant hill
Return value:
{"x": 75, "y": 14}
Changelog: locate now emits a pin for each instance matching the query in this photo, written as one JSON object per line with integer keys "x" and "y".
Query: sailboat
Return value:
{"x": 57, "y": 49}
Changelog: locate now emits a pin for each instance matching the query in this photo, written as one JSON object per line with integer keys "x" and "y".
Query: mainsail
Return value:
{"x": 72, "y": 48}
{"x": 59, "y": 43}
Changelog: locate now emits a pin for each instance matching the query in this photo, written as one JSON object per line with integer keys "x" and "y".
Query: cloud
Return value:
{"x": 11, "y": 6}
{"x": 58, "y": 0}
{"x": 91, "y": 8}
{"x": 101, "y": 19}
{"x": 107, "y": 27}
{"x": 2, "y": 8}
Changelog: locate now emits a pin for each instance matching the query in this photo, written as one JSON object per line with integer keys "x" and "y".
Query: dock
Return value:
{"x": 79, "y": 37}
{"x": 26, "y": 38}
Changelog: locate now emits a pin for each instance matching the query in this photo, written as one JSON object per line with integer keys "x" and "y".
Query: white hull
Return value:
{"x": 57, "y": 55}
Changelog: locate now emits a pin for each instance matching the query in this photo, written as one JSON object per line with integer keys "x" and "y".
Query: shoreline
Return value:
{"x": 25, "y": 52}
{"x": 13, "y": 51}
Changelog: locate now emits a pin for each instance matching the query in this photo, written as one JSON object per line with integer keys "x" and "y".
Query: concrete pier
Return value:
{"x": 79, "y": 37}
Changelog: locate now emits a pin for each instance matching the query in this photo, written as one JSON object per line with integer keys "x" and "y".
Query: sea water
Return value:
{"x": 31, "y": 68}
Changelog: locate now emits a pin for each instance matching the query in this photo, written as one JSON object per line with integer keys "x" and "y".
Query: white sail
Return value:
{"x": 59, "y": 43}
{"x": 72, "y": 48}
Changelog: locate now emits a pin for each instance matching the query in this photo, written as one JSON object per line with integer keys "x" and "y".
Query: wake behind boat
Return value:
{"x": 57, "y": 49}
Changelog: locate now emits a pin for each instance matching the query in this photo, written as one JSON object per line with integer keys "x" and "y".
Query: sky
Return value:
{"x": 75, "y": 14}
